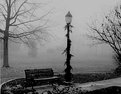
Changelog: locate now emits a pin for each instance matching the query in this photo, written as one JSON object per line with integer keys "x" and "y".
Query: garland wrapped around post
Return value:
{"x": 68, "y": 74}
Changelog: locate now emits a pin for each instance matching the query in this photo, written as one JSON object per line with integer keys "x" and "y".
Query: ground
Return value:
{"x": 87, "y": 81}
{"x": 11, "y": 73}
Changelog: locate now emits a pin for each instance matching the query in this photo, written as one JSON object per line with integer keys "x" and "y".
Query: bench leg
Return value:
{"x": 32, "y": 87}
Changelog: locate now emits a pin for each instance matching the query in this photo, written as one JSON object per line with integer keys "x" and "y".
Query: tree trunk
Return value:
{"x": 5, "y": 48}
{"x": 6, "y": 35}
{"x": 5, "y": 55}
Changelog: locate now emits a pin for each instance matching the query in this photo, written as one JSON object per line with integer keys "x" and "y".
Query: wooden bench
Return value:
{"x": 36, "y": 77}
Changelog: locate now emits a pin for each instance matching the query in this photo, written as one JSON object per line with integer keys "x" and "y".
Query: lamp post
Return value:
{"x": 68, "y": 74}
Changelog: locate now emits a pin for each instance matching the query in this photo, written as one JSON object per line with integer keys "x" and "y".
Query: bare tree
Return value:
{"x": 109, "y": 32}
{"x": 19, "y": 23}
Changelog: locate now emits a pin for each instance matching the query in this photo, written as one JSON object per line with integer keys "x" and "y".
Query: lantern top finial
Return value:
{"x": 68, "y": 14}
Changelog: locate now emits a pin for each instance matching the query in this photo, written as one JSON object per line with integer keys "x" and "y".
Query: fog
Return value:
{"x": 87, "y": 57}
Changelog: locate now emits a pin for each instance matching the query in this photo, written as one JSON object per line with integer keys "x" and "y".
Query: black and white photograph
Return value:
{"x": 60, "y": 46}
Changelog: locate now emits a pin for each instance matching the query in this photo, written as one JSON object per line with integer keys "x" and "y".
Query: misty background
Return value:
{"x": 48, "y": 53}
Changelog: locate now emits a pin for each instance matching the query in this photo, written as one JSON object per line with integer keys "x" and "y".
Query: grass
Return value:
{"x": 91, "y": 77}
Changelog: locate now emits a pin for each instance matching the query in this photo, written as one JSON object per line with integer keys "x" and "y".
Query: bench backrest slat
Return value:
{"x": 38, "y": 73}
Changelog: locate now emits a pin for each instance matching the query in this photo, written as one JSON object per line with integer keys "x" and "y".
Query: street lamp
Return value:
{"x": 68, "y": 18}
{"x": 68, "y": 74}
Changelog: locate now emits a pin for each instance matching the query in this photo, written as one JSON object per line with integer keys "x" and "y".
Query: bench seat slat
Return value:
{"x": 50, "y": 78}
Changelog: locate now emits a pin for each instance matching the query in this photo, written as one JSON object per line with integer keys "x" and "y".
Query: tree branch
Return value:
{"x": 30, "y": 21}
{"x": 1, "y": 31}
{"x": 19, "y": 9}
{"x": 3, "y": 7}
{"x": 14, "y": 1}
{"x": 7, "y": 3}
{"x": 23, "y": 34}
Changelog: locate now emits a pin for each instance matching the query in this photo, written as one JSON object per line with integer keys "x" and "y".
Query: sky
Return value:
{"x": 87, "y": 57}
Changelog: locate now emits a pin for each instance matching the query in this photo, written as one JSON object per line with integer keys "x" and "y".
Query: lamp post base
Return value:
{"x": 68, "y": 77}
